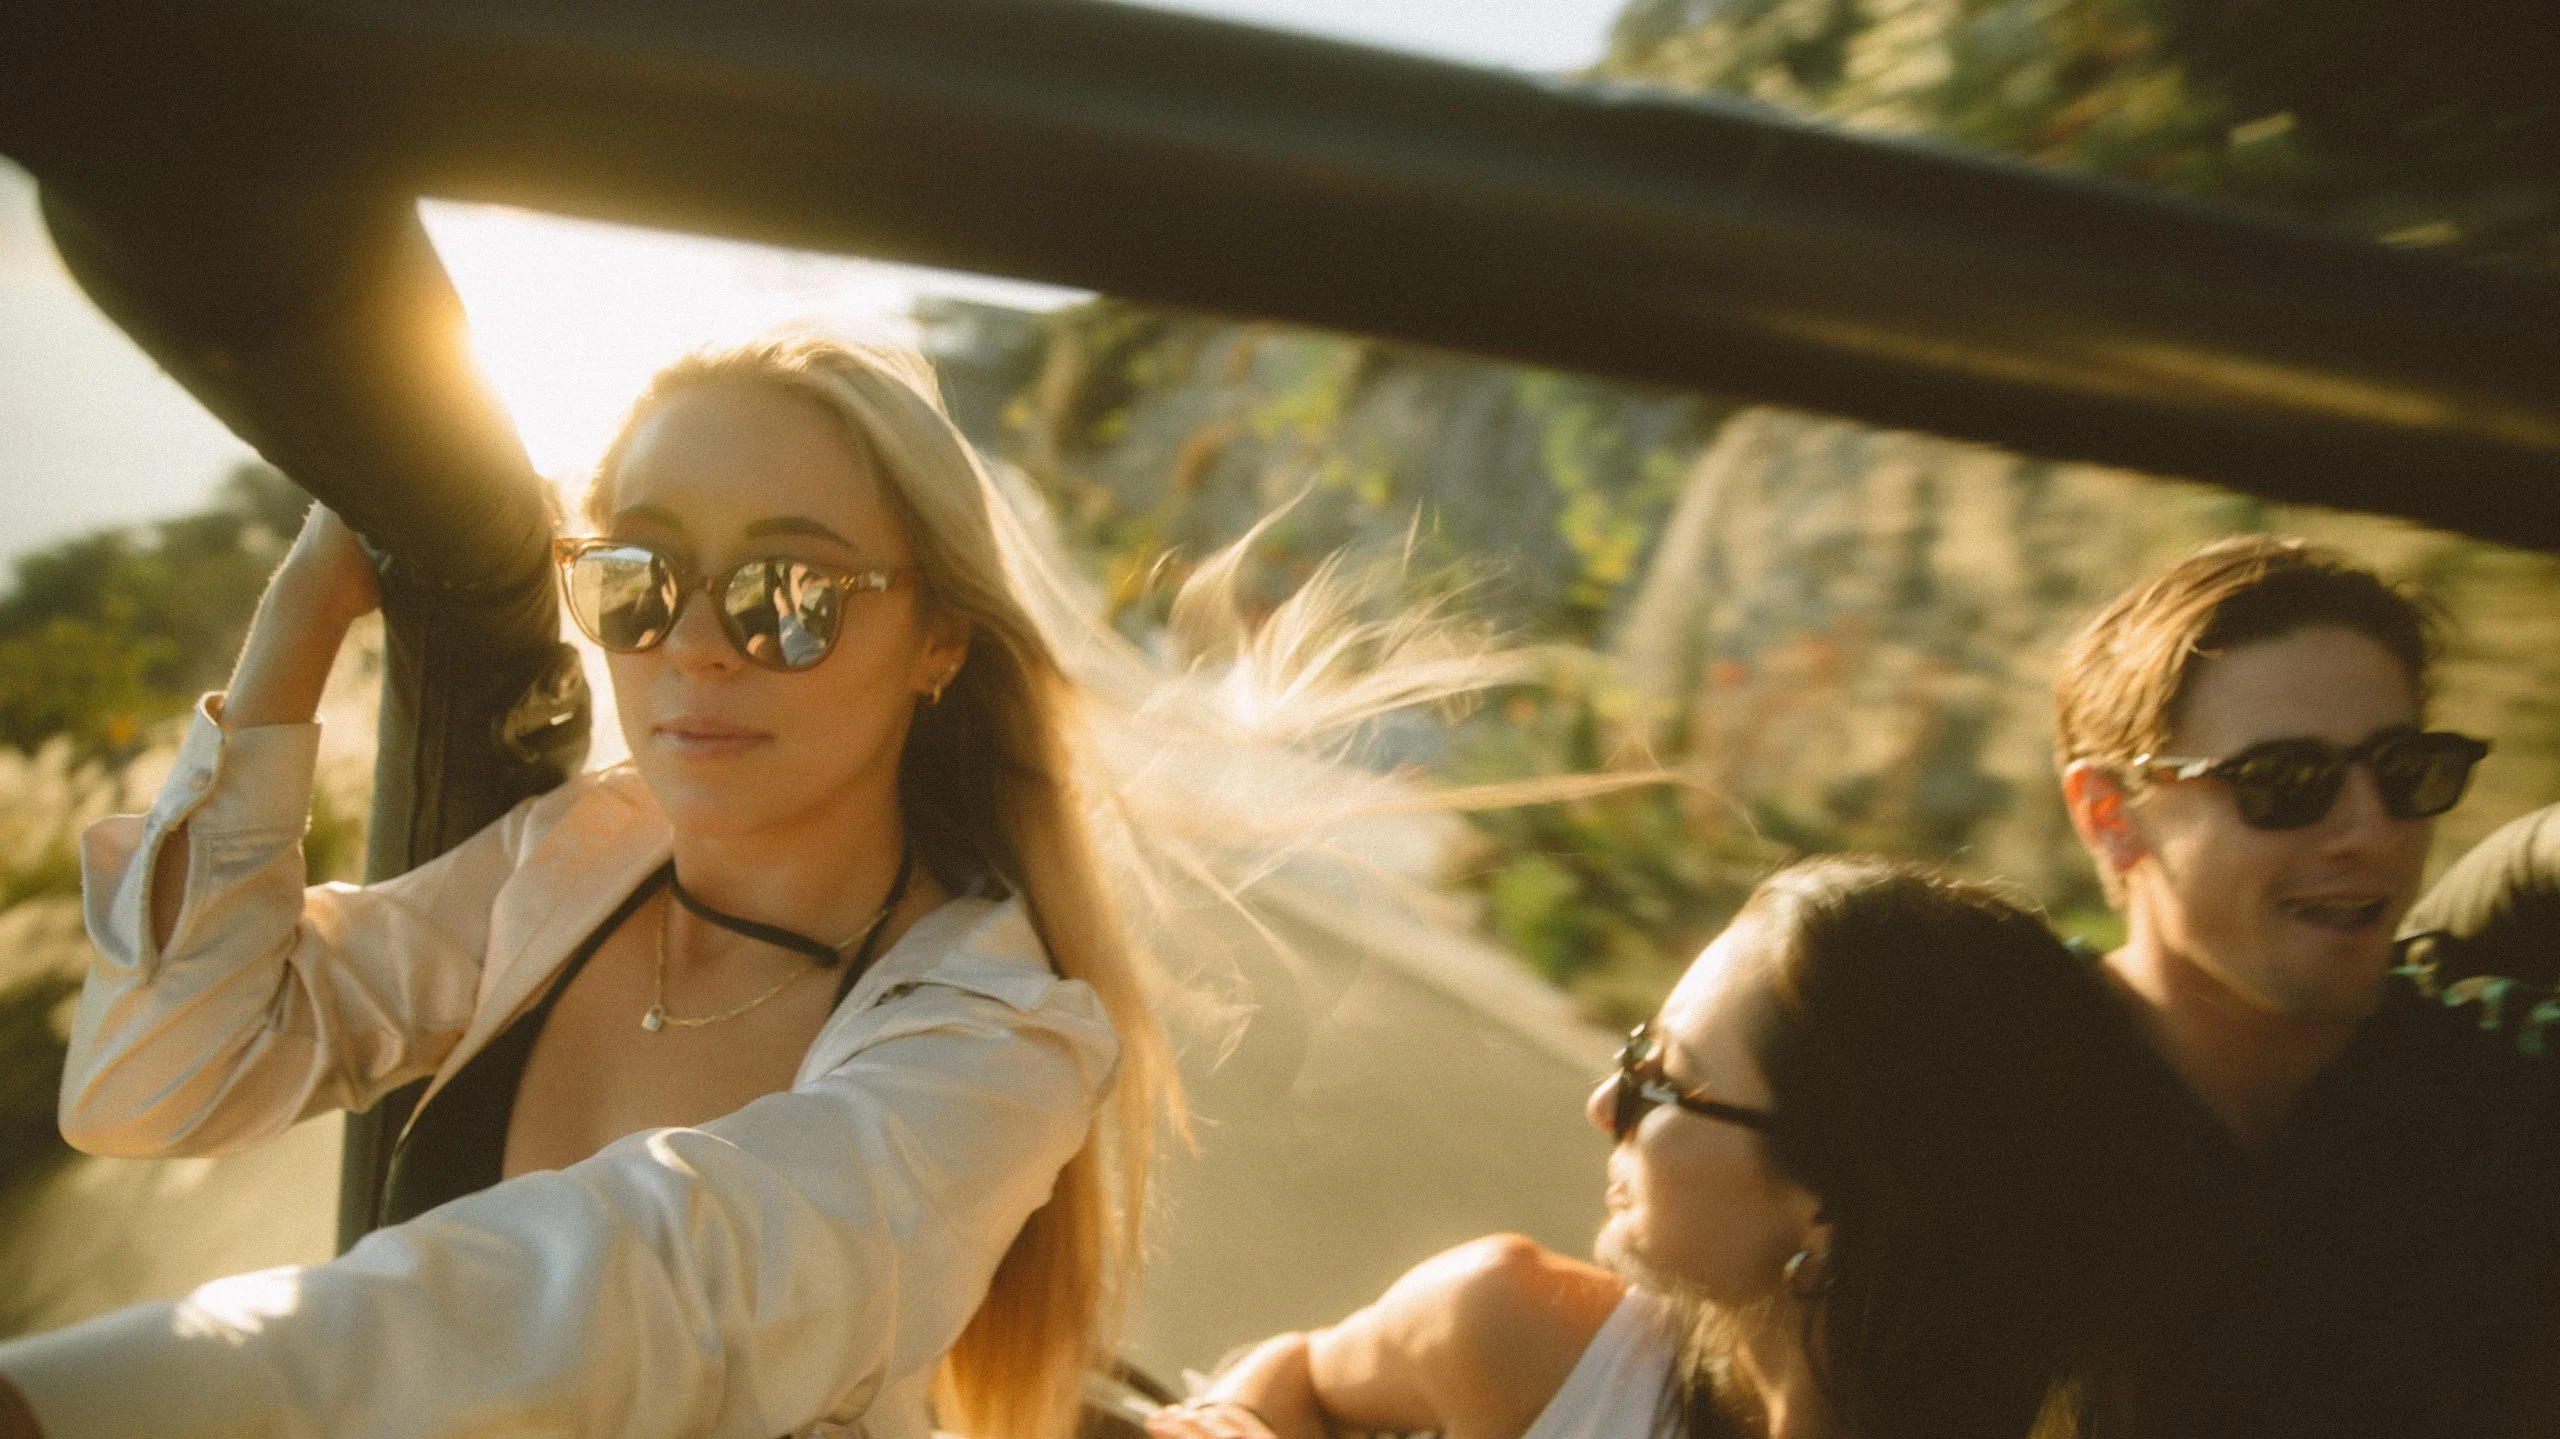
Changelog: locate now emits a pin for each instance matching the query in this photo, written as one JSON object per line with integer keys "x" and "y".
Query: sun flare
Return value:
{"x": 569, "y": 318}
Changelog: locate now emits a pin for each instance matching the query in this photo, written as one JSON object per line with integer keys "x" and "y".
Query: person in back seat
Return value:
{"x": 1892, "y": 1163}
{"x": 2245, "y": 755}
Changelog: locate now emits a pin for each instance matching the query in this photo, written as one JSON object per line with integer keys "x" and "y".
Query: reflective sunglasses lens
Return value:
{"x": 784, "y": 615}
{"x": 622, "y": 596}
{"x": 2424, "y": 775}
{"x": 2288, "y": 784}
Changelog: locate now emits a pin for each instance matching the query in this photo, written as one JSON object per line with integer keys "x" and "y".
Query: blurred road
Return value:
{"x": 1378, "y": 1110}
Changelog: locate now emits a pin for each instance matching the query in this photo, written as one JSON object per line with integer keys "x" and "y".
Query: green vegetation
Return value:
{"x": 1159, "y": 437}
{"x": 1610, "y": 896}
{"x": 35, "y": 1028}
{"x": 104, "y": 635}
{"x": 105, "y": 642}
{"x": 2423, "y": 125}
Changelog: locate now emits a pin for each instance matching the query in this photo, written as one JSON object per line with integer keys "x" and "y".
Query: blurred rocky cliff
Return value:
{"x": 1845, "y": 635}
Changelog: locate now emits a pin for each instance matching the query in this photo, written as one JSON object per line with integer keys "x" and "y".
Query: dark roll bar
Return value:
{"x": 230, "y": 178}
{"x": 1665, "y": 239}
{"x": 318, "y": 324}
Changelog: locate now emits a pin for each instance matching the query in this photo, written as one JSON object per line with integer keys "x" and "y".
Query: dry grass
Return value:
{"x": 68, "y": 1223}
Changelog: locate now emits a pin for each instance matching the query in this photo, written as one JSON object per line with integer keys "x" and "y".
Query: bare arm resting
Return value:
{"x": 1472, "y": 1343}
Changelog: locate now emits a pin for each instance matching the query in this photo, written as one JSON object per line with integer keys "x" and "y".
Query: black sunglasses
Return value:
{"x": 781, "y": 613}
{"x": 1641, "y": 1085}
{"x": 2290, "y": 783}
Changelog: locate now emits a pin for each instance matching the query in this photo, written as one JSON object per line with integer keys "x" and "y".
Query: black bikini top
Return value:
{"x": 457, "y": 1145}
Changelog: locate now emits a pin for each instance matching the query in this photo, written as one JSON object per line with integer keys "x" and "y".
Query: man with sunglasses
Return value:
{"x": 2244, "y": 755}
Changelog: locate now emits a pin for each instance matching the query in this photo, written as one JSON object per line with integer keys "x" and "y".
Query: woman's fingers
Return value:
{"x": 331, "y": 568}
{"x": 325, "y": 583}
{"x": 1208, "y": 1419}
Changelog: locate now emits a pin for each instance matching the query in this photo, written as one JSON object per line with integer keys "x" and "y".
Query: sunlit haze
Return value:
{"x": 91, "y": 431}
{"x": 569, "y": 318}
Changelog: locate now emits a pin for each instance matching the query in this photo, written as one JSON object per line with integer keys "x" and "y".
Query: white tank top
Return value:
{"x": 1615, "y": 1389}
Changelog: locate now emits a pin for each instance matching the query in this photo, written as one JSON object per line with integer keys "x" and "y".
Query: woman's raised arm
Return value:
{"x": 225, "y": 1001}
{"x": 324, "y": 586}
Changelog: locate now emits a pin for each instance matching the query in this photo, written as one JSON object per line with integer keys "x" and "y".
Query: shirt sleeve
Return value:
{"x": 271, "y": 1002}
{"x": 2497, "y": 909}
{"x": 762, "y": 1272}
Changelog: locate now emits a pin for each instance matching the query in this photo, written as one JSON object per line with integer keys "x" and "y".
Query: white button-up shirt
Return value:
{"x": 801, "y": 1264}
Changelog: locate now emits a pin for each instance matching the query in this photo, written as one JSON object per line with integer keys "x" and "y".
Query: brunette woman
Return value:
{"x": 1891, "y": 1164}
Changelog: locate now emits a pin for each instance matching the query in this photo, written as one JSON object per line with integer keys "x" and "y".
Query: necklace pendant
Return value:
{"x": 655, "y": 1019}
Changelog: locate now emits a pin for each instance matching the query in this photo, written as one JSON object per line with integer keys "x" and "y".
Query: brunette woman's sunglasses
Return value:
{"x": 781, "y": 613}
{"x": 1641, "y": 1084}
{"x": 2291, "y": 783}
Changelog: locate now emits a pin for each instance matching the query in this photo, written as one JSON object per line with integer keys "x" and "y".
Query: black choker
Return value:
{"x": 827, "y": 955}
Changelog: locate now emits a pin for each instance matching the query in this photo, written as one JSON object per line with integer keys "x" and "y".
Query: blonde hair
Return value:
{"x": 996, "y": 784}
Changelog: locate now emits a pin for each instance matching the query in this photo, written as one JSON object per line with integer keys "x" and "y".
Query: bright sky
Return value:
{"x": 568, "y": 318}
{"x": 1544, "y": 36}
{"x": 91, "y": 433}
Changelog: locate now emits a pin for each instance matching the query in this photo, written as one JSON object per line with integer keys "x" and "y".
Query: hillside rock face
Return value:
{"x": 1860, "y": 630}
{"x": 1847, "y": 635}
{"x": 1160, "y": 433}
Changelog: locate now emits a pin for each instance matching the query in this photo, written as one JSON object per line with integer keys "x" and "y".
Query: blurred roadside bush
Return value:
{"x": 1608, "y": 897}
{"x": 106, "y": 640}
{"x": 2428, "y": 126}
{"x": 104, "y": 635}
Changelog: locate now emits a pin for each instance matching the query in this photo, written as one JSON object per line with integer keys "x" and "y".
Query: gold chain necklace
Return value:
{"x": 657, "y": 1018}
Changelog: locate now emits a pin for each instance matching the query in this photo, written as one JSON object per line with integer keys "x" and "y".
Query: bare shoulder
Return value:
{"x": 1507, "y": 1292}
{"x": 1489, "y": 1330}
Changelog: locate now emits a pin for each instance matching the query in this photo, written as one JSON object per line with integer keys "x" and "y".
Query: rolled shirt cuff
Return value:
{"x": 238, "y": 781}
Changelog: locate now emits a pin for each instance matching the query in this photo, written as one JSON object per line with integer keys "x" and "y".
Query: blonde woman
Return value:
{"x": 797, "y": 1074}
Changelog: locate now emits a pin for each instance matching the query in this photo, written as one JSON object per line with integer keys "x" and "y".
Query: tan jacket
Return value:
{"x": 801, "y": 1264}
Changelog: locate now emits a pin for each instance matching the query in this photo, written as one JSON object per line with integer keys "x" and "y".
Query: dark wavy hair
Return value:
{"x": 2001, "y": 1160}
